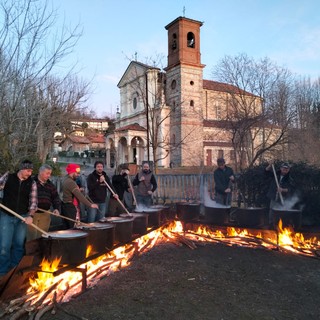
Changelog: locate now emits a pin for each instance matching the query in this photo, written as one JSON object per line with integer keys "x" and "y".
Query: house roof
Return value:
{"x": 78, "y": 139}
{"x": 134, "y": 126}
{"x": 224, "y": 87}
{"x": 99, "y": 138}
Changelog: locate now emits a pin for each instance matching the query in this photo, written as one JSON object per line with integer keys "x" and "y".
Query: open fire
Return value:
{"x": 49, "y": 287}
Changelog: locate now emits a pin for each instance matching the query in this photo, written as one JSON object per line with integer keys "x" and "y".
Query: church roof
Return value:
{"x": 134, "y": 126}
{"x": 224, "y": 87}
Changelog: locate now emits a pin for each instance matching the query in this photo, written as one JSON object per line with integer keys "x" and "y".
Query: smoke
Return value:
{"x": 208, "y": 202}
{"x": 289, "y": 203}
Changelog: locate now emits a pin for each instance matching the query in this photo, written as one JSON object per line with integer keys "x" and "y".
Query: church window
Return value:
{"x": 190, "y": 40}
{"x": 191, "y": 83}
{"x": 173, "y": 84}
{"x": 174, "y": 42}
{"x": 173, "y": 106}
{"x": 135, "y": 100}
{"x": 218, "y": 111}
{"x": 220, "y": 153}
{"x": 191, "y": 103}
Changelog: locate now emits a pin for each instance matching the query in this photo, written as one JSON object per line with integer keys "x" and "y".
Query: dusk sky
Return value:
{"x": 286, "y": 31}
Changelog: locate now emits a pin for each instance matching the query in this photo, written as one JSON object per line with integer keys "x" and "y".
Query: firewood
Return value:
{"x": 42, "y": 311}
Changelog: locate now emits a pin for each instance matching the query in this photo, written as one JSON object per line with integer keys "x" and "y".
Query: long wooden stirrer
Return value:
{"x": 113, "y": 193}
{"x": 63, "y": 217}
{"x": 133, "y": 194}
{"x": 277, "y": 183}
{"x": 23, "y": 219}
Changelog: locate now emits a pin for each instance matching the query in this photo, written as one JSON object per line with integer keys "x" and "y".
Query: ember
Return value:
{"x": 49, "y": 288}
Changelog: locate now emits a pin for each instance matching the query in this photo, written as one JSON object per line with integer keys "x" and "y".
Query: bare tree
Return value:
{"x": 258, "y": 113}
{"x": 31, "y": 50}
{"x": 305, "y": 133}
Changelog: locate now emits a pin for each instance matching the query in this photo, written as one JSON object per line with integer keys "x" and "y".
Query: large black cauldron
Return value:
{"x": 70, "y": 245}
{"x": 101, "y": 236}
{"x": 218, "y": 216}
{"x": 123, "y": 228}
{"x": 140, "y": 222}
{"x": 290, "y": 218}
{"x": 188, "y": 211}
{"x": 249, "y": 217}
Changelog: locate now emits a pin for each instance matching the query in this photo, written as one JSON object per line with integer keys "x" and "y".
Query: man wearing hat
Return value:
{"x": 19, "y": 195}
{"x": 286, "y": 186}
{"x": 223, "y": 179}
{"x": 70, "y": 190}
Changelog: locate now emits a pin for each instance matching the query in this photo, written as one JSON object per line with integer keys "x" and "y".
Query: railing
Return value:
{"x": 173, "y": 187}
{"x": 182, "y": 187}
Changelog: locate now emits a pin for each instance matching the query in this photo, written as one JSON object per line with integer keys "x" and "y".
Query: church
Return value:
{"x": 172, "y": 117}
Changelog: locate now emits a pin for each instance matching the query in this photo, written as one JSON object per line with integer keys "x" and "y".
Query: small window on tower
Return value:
{"x": 174, "y": 42}
{"x": 191, "y": 103}
{"x": 190, "y": 40}
{"x": 173, "y": 84}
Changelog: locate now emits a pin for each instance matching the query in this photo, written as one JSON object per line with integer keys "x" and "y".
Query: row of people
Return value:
{"x": 32, "y": 198}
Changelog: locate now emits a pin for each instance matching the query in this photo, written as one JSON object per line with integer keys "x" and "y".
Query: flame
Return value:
{"x": 122, "y": 256}
{"x": 45, "y": 277}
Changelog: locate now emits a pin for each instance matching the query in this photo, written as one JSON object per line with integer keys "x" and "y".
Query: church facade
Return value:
{"x": 172, "y": 116}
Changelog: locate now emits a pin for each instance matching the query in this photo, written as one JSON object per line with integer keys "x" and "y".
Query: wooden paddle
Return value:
{"x": 23, "y": 219}
{"x": 277, "y": 183}
{"x": 63, "y": 217}
{"x": 113, "y": 193}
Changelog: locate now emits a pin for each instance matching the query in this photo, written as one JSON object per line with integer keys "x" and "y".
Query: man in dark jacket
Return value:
{"x": 47, "y": 197}
{"x": 223, "y": 179}
{"x": 97, "y": 186}
{"x": 286, "y": 187}
{"x": 20, "y": 196}
{"x": 146, "y": 184}
{"x": 120, "y": 184}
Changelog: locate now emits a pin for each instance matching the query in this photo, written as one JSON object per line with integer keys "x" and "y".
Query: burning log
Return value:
{"x": 185, "y": 241}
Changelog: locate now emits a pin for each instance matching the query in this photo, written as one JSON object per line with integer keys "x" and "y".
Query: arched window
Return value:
{"x": 173, "y": 106}
{"x": 173, "y": 141}
{"x": 190, "y": 40}
{"x": 174, "y": 42}
{"x": 135, "y": 100}
{"x": 191, "y": 103}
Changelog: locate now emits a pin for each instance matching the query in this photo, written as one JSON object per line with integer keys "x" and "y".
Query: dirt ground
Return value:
{"x": 213, "y": 281}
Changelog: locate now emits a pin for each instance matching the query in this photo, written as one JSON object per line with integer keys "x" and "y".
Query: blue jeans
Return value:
{"x": 94, "y": 215}
{"x": 12, "y": 241}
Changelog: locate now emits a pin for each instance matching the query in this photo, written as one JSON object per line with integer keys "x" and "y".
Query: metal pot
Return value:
{"x": 153, "y": 216}
{"x": 165, "y": 212}
{"x": 70, "y": 245}
{"x": 219, "y": 216}
{"x": 123, "y": 228}
{"x": 140, "y": 222}
{"x": 101, "y": 236}
{"x": 188, "y": 211}
{"x": 290, "y": 218}
{"x": 249, "y": 217}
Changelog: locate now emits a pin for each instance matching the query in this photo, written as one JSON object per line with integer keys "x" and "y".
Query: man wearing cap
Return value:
{"x": 19, "y": 195}
{"x": 47, "y": 197}
{"x": 286, "y": 186}
{"x": 70, "y": 190}
{"x": 223, "y": 178}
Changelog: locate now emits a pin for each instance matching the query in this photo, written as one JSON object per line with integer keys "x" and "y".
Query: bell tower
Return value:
{"x": 184, "y": 86}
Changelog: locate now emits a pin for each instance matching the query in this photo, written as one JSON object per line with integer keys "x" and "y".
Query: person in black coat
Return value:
{"x": 120, "y": 184}
{"x": 286, "y": 187}
{"x": 223, "y": 179}
{"x": 97, "y": 182}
